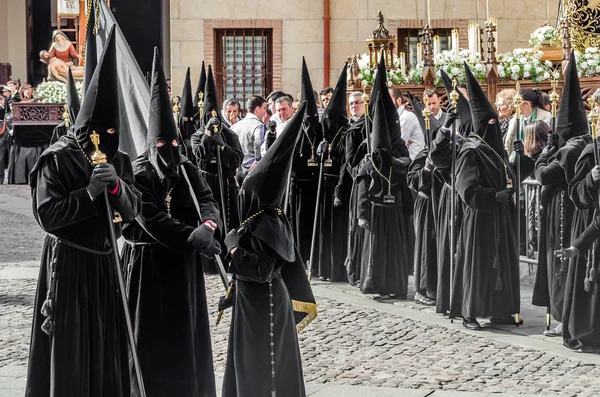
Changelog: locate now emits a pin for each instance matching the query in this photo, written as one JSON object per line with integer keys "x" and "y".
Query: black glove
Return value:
{"x": 364, "y": 224}
{"x": 322, "y": 148}
{"x": 212, "y": 123}
{"x": 337, "y": 202}
{"x": 218, "y": 139}
{"x": 502, "y": 196}
{"x": 232, "y": 240}
{"x": 203, "y": 239}
{"x": 226, "y": 302}
{"x": 518, "y": 147}
{"x": 96, "y": 186}
{"x": 214, "y": 249}
{"x": 551, "y": 140}
{"x": 106, "y": 173}
{"x": 272, "y": 126}
{"x": 451, "y": 117}
{"x": 596, "y": 174}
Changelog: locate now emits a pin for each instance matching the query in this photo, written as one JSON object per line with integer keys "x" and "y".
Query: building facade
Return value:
{"x": 262, "y": 43}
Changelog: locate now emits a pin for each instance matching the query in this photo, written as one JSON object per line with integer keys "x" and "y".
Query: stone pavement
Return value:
{"x": 356, "y": 347}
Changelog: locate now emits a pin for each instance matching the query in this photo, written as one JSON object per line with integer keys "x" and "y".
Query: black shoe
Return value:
{"x": 399, "y": 297}
{"x": 471, "y": 323}
{"x": 431, "y": 295}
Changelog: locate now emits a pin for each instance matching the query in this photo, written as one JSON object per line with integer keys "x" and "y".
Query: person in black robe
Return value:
{"x": 305, "y": 177}
{"x": 186, "y": 122}
{"x": 381, "y": 197}
{"x": 205, "y": 143}
{"x": 333, "y": 214}
{"x": 73, "y": 106}
{"x": 272, "y": 299}
{"x": 78, "y": 338}
{"x": 167, "y": 297}
{"x": 554, "y": 169}
{"x": 424, "y": 180}
{"x": 198, "y": 98}
{"x": 441, "y": 157}
{"x": 486, "y": 281}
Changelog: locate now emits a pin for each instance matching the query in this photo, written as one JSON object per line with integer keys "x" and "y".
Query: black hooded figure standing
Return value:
{"x": 441, "y": 156}
{"x": 198, "y": 98}
{"x": 333, "y": 215}
{"x": 381, "y": 198}
{"x": 424, "y": 180}
{"x": 78, "y": 339}
{"x": 165, "y": 286}
{"x": 553, "y": 170}
{"x": 305, "y": 177}
{"x": 186, "y": 124}
{"x": 486, "y": 281}
{"x": 272, "y": 298}
{"x": 205, "y": 143}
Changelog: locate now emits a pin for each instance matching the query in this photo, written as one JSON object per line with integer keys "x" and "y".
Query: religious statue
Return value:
{"x": 63, "y": 49}
{"x": 59, "y": 69}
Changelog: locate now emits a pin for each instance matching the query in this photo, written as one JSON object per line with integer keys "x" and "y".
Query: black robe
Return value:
{"x": 231, "y": 159}
{"x": 556, "y": 215}
{"x": 167, "y": 297}
{"x": 87, "y": 355}
{"x": 248, "y": 367}
{"x": 486, "y": 280}
{"x": 581, "y": 311}
{"x": 421, "y": 181}
{"x": 354, "y": 153}
{"x": 441, "y": 156}
{"x": 333, "y": 221}
{"x": 384, "y": 260}
{"x": 59, "y": 131}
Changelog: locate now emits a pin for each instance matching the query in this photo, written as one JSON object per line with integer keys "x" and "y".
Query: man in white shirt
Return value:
{"x": 250, "y": 130}
{"x": 412, "y": 134}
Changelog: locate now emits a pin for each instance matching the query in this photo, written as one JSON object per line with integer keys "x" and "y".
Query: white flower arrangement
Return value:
{"x": 525, "y": 64}
{"x": 588, "y": 63}
{"x": 367, "y": 74}
{"x": 54, "y": 92}
{"x": 452, "y": 62}
{"x": 545, "y": 33}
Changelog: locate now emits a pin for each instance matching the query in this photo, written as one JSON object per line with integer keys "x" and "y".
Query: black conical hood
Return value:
{"x": 100, "y": 108}
{"x": 418, "y": 108}
{"x": 571, "y": 120}
{"x": 380, "y": 86}
{"x": 380, "y": 136}
{"x": 161, "y": 125}
{"x": 485, "y": 118}
{"x": 91, "y": 50}
{"x": 199, "y": 88}
{"x": 73, "y": 103}
{"x": 211, "y": 101}
{"x": 307, "y": 93}
{"x": 186, "y": 110}
{"x": 462, "y": 105}
{"x": 148, "y": 78}
{"x": 336, "y": 114}
{"x": 264, "y": 187}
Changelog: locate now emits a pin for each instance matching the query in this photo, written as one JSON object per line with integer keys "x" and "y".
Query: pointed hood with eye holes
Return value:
{"x": 199, "y": 89}
{"x": 336, "y": 115}
{"x": 186, "y": 110}
{"x": 161, "y": 125}
{"x": 264, "y": 190}
{"x": 380, "y": 85}
{"x": 211, "y": 101}
{"x": 307, "y": 94}
{"x": 91, "y": 50}
{"x": 73, "y": 103}
{"x": 483, "y": 114}
{"x": 571, "y": 120}
{"x": 462, "y": 106}
{"x": 100, "y": 108}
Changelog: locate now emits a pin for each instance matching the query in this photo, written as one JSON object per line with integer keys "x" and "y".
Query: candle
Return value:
{"x": 419, "y": 53}
{"x": 487, "y": 10}
{"x": 403, "y": 63}
{"x": 454, "y": 37}
{"x": 428, "y": 14}
{"x": 436, "y": 45}
{"x": 547, "y": 10}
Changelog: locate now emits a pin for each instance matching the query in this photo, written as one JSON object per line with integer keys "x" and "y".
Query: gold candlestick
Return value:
{"x": 454, "y": 95}
{"x": 97, "y": 157}
{"x": 554, "y": 97}
{"x": 65, "y": 116}
{"x": 427, "y": 116}
{"x": 593, "y": 116}
{"x": 201, "y": 104}
{"x": 517, "y": 101}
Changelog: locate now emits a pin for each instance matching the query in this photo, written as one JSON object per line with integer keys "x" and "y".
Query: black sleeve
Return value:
{"x": 255, "y": 262}
{"x": 468, "y": 183}
{"x": 441, "y": 152}
{"x": 364, "y": 204}
{"x": 589, "y": 235}
{"x": 232, "y": 154}
{"x": 418, "y": 178}
{"x": 208, "y": 205}
{"x": 548, "y": 171}
{"x": 128, "y": 200}
{"x": 582, "y": 189}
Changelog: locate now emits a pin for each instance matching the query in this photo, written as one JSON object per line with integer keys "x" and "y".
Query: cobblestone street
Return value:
{"x": 355, "y": 341}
